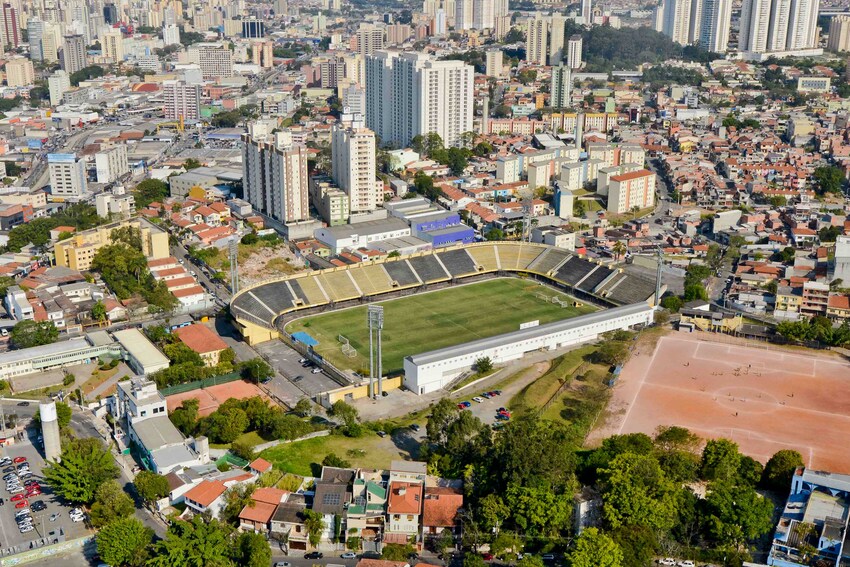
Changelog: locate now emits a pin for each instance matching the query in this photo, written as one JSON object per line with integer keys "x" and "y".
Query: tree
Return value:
{"x": 736, "y": 514}
{"x": 98, "y": 311}
{"x": 124, "y": 542}
{"x": 151, "y": 486}
{"x": 332, "y": 460}
{"x": 28, "y": 333}
{"x": 347, "y": 414}
{"x": 236, "y": 498}
{"x": 185, "y": 417}
{"x": 193, "y": 544}
{"x": 638, "y": 543}
{"x": 150, "y": 190}
{"x": 483, "y": 365}
{"x": 256, "y": 370}
{"x": 619, "y": 249}
{"x": 720, "y": 460}
{"x": 111, "y": 503}
{"x": 85, "y": 465}
{"x": 179, "y": 353}
{"x": 695, "y": 291}
{"x": 828, "y": 179}
{"x": 225, "y": 425}
{"x": 672, "y": 303}
{"x": 252, "y": 550}
{"x": 780, "y": 469}
{"x": 304, "y": 408}
{"x": 315, "y": 525}
{"x": 397, "y": 552}
{"x": 636, "y": 491}
{"x": 191, "y": 163}
{"x": 243, "y": 449}
{"x": 63, "y": 415}
{"x": 529, "y": 560}
{"x": 595, "y": 549}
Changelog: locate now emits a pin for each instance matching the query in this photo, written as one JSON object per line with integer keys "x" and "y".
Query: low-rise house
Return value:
{"x": 440, "y": 510}
{"x": 404, "y": 509}
{"x": 203, "y": 341}
{"x": 287, "y": 523}
{"x": 207, "y": 495}
{"x": 257, "y": 515}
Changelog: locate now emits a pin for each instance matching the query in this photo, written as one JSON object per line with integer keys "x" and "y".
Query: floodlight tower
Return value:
{"x": 234, "y": 266}
{"x": 375, "y": 315}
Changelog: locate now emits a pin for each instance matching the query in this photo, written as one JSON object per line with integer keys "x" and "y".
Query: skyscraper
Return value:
{"x": 716, "y": 21}
{"x": 587, "y": 12}
{"x": 536, "y": 40}
{"x": 67, "y": 175}
{"x": 561, "y": 89}
{"x": 275, "y": 180}
{"x": 10, "y": 26}
{"x": 181, "y": 100}
{"x": 676, "y": 21}
{"x": 58, "y": 84}
{"x": 113, "y": 46}
{"x": 19, "y": 72}
{"x": 483, "y": 12}
{"x": 778, "y": 25}
{"x": 73, "y": 53}
{"x": 574, "y": 51}
{"x": 35, "y": 29}
{"x": 839, "y": 34}
{"x": 556, "y": 39}
{"x": 170, "y": 34}
{"x": 410, "y": 94}
{"x": 214, "y": 59}
{"x": 495, "y": 63}
{"x": 353, "y": 162}
{"x": 370, "y": 38}
{"x": 463, "y": 14}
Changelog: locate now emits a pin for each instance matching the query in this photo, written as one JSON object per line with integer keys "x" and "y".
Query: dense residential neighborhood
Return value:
{"x": 456, "y": 283}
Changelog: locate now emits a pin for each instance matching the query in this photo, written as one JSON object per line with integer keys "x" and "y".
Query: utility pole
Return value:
{"x": 658, "y": 277}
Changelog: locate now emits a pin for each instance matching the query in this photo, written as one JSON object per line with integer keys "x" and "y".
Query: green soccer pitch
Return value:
{"x": 438, "y": 319}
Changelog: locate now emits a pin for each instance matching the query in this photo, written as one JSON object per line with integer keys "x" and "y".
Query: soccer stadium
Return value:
{"x": 573, "y": 285}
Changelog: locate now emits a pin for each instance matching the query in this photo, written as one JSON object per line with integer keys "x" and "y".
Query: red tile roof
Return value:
{"x": 206, "y": 492}
{"x": 261, "y": 465}
{"x": 405, "y": 498}
{"x": 200, "y": 339}
{"x": 260, "y": 512}
{"x": 441, "y": 506}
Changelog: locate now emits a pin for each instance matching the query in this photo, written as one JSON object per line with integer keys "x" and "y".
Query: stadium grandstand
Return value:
{"x": 257, "y": 309}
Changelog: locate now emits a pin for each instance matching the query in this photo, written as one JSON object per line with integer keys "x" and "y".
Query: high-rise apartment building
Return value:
{"x": 170, "y": 34}
{"x": 630, "y": 190}
{"x": 58, "y": 84}
{"x": 839, "y": 33}
{"x": 275, "y": 180}
{"x": 67, "y": 175}
{"x": 111, "y": 164}
{"x": 181, "y": 100}
{"x": 10, "y": 26}
{"x": 263, "y": 54}
{"x": 561, "y": 88}
{"x": 410, "y": 94}
{"x": 778, "y": 25}
{"x": 73, "y": 53}
{"x": 587, "y": 12}
{"x": 370, "y": 38}
{"x": 19, "y": 72}
{"x": 214, "y": 59}
{"x": 463, "y": 14}
{"x": 354, "y": 100}
{"x": 556, "y": 39}
{"x": 537, "y": 40}
{"x": 353, "y": 161}
{"x": 574, "y": 51}
{"x": 113, "y": 46}
{"x": 495, "y": 63}
{"x": 35, "y": 30}
{"x": 715, "y": 24}
{"x": 680, "y": 20}
{"x": 398, "y": 34}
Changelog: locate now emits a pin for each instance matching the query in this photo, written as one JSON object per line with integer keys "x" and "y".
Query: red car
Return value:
{"x": 487, "y": 556}
{"x": 19, "y": 460}
{"x": 17, "y": 497}
{"x": 22, "y": 504}
{"x": 33, "y": 492}
{"x": 461, "y": 406}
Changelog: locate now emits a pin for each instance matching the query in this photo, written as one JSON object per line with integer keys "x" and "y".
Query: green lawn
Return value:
{"x": 440, "y": 319}
{"x": 251, "y": 437}
{"x": 368, "y": 451}
{"x": 532, "y": 397}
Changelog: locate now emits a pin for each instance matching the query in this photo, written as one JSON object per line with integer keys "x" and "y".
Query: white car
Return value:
{"x": 667, "y": 561}
{"x": 26, "y": 529}
{"x": 76, "y": 519}
{"x": 687, "y": 563}
{"x": 478, "y": 399}
{"x": 16, "y": 490}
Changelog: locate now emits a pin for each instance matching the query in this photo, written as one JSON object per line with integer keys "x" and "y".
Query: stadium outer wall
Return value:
{"x": 254, "y": 330}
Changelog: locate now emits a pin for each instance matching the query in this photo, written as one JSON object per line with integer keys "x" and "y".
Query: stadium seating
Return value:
{"x": 547, "y": 261}
{"x": 371, "y": 279}
{"x": 574, "y": 270}
{"x": 263, "y": 303}
{"x": 310, "y": 290}
{"x": 338, "y": 285}
{"x": 594, "y": 278}
{"x": 485, "y": 256}
{"x": 401, "y": 273}
{"x": 458, "y": 262}
{"x": 428, "y": 268}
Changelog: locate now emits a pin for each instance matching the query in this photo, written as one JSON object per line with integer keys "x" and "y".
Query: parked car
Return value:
{"x": 687, "y": 563}
{"x": 667, "y": 561}
{"x": 415, "y": 427}
{"x": 382, "y": 433}
{"x": 282, "y": 564}
{"x": 316, "y": 370}
{"x": 487, "y": 556}
{"x": 314, "y": 555}
{"x": 349, "y": 555}
{"x": 17, "y": 498}
{"x": 22, "y": 504}
{"x": 19, "y": 460}
{"x": 548, "y": 557}
{"x": 478, "y": 399}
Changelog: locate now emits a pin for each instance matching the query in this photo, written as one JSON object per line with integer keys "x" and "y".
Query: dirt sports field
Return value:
{"x": 764, "y": 400}
{"x": 213, "y": 396}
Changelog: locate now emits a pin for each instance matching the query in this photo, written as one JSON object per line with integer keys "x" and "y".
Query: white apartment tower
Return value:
{"x": 73, "y": 53}
{"x": 561, "y": 89}
{"x": 113, "y": 46}
{"x": 574, "y": 50}
{"x": 170, "y": 34}
{"x": 408, "y": 94}
{"x": 181, "y": 100}
{"x": 714, "y": 28}
{"x": 111, "y": 164}
{"x": 275, "y": 180}
{"x": 67, "y": 175}
{"x": 214, "y": 59}
{"x": 463, "y": 14}
{"x": 556, "y": 39}
{"x": 495, "y": 63}
{"x": 676, "y": 20}
{"x": 58, "y": 84}
{"x": 778, "y": 25}
{"x": 370, "y": 38}
{"x": 839, "y": 34}
{"x": 353, "y": 155}
{"x": 536, "y": 41}
{"x": 587, "y": 12}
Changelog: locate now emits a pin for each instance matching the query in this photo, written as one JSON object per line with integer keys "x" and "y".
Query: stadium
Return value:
{"x": 573, "y": 284}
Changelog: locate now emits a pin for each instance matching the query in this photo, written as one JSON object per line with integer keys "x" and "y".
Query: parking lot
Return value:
{"x": 45, "y": 531}
{"x": 285, "y": 361}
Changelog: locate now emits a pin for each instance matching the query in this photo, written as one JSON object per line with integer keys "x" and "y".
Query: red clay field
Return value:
{"x": 213, "y": 396}
{"x": 764, "y": 400}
